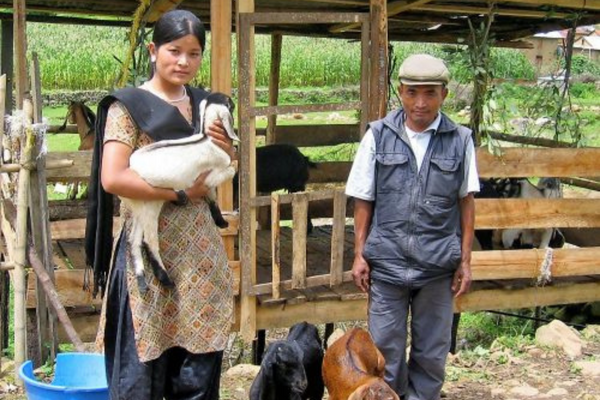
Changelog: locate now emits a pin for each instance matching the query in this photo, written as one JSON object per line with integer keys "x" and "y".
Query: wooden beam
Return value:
{"x": 575, "y": 5}
{"x": 537, "y": 213}
{"x": 304, "y": 108}
{"x": 275, "y": 245}
{"x": 521, "y": 162}
{"x": 274, "y": 79}
{"x": 378, "y": 86}
{"x": 6, "y": 66}
{"x": 509, "y": 12}
{"x": 393, "y": 8}
{"x": 526, "y": 264}
{"x": 338, "y": 236}
{"x": 20, "y": 51}
{"x": 247, "y": 124}
{"x": 502, "y": 299}
{"x": 221, "y": 80}
{"x": 300, "y": 215}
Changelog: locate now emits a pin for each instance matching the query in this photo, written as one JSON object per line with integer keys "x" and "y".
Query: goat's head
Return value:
{"x": 218, "y": 106}
{"x": 375, "y": 389}
{"x": 288, "y": 369}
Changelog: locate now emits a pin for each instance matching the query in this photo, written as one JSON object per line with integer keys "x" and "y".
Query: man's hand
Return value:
{"x": 462, "y": 279}
{"x": 360, "y": 273}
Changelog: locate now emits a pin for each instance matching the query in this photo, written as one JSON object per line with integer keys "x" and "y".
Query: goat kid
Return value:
{"x": 353, "y": 369}
{"x": 281, "y": 375}
{"x": 307, "y": 337}
{"x": 176, "y": 164}
{"x": 520, "y": 238}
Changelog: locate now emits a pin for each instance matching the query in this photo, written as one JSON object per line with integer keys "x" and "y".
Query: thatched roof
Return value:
{"x": 410, "y": 20}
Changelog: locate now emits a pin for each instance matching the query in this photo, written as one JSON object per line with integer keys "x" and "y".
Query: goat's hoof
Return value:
{"x": 164, "y": 279}
{"x": 142, "y": 285}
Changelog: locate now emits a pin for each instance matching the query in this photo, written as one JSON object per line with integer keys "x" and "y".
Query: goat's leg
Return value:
{"x": 151, "y": 243}
{"x": 135, "y": 241}
{"x": 509, "y": 236}
{"x": 546, "y": 237}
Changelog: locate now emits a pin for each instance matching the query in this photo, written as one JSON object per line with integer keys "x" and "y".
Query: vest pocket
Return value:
{"x": 444, "y": 179}
{"x": 392, "y": 171}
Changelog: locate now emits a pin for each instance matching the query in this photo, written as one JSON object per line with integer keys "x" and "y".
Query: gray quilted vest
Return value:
{"x": 415, "y": 233}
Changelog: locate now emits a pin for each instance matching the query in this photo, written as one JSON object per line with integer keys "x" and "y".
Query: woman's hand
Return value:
{"x": 199, "y": 189}
{"x": 219, "y": 136}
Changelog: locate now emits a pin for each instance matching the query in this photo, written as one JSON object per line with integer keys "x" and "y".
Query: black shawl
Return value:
{"x": 161, "y": 121}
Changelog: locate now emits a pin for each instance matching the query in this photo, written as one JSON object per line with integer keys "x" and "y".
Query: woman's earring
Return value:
{"x": 153, "y": 59}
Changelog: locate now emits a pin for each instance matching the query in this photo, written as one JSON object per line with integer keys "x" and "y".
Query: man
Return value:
{"x": 413, "y": 181}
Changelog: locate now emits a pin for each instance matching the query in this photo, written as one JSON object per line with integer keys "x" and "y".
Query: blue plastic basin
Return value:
{"x": 78, "y": 376}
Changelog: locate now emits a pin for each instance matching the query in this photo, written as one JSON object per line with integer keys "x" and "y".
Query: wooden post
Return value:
{"x": 20, "y": 46}
{"x": 300, "y": 218}
{"x": 338, "y": 236}
{"x": 4, "y": 289}
{"x": 275, "y": 245}
{"x": 379, "y": 60}
{"x": 274, "y": 80}
{"x": 47, "y": 339}
{"x": 220, "y": 77}
{"x": 364, "y": 77}
{"x": 18, "y": 274}
{"x": 7, "y": 62}
{"x": 247, "y": 124}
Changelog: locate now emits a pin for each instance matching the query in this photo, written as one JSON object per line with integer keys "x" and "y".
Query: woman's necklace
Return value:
{"x": 162, "y": 96}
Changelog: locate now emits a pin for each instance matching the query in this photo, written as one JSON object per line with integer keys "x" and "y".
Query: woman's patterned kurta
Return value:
{"x": 197, "y": 314}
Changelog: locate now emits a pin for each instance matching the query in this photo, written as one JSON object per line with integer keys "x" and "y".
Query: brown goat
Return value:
{"x": 80, "y": 114}
{"x": 353, "y": 369}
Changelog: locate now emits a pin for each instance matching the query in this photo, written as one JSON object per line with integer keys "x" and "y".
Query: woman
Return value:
{"x": 165, "y": 342}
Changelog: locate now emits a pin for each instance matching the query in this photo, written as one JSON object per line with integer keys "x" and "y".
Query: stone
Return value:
{"x": 496, "y": 392}
{"x": 524, "y": 391}
{"x": 558, "y": 392}
{"x": 243, "y": 371}
{"x": 588, "y": 368}
{"x": 535, "y": 352}
{"x": 557, "y": 334}
{"x": 567, "y": 383}
{"x": 591, "y": 332}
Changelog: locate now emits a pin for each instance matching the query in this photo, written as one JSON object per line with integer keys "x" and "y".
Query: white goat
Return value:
{"x": 538, "y": 238}
{"x": 175, "y": 164}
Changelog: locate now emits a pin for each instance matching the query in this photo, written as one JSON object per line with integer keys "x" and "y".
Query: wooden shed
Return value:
{"x": 285, "y": 275}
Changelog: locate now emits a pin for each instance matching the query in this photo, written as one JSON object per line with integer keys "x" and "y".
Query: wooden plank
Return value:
{"x": 521, "y": 162}
{"x": 573, "y": 4}
{"x": 6, "y": 63}
{"x": 20, "y": 51}
{"x": 279, "y": 18}
{"x": 338, "y": 238}
{"x": 365, "y": 37}
{"x": 300, "y": 215}
{"x": 502, "y": 299}
{"x": 47, "y": 341}
{"x": 275, "y": 245}
{"x": 509, "y": 12}
{"x": 274, "y": 78}
{"x": 75, "y": 228}
{"x": 379, "y": 60}
{"x": 316, "y": 135}
{"x": 247, "y": 126}
{"x": 82, "y": 161}
{"x": 393, "y": 8}
{"x": 304, "y": 108}
{"x": 316, "y": 312}
{"x": 336, "y": 171}
{"x": 86, "y": 326}
{"x": 69, "y": 285}
{"x": 221, "y": 81}
{"x": 526, "y": 264}
{"x": 537, "y": 213}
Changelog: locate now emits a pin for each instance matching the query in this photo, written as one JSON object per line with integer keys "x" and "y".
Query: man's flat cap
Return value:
{"x": 423, "y": 69}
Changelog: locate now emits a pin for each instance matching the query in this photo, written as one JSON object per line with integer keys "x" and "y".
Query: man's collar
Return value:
{"x": 432, "y": 128}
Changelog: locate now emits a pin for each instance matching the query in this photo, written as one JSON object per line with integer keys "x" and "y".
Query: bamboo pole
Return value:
{"x": 18, "y": 274}
{"x": 20, "y": 47}
{"x": 4, "y": 294}
{"x": 53, "y": 164}
{"x": 274, "y": 79}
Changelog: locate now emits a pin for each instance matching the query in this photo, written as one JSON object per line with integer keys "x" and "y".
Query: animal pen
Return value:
{"x": 283, "y": 274}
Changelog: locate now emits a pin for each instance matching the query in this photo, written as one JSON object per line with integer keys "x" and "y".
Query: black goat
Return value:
{"x": 280, "y": 167}
{"x": 307, "y": 337}
{"x": 281, "y": 375}
{"x": 291, "y": 368}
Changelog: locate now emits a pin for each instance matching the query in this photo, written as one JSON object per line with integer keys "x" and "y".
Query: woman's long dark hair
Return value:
{"x": 176, "y": 24}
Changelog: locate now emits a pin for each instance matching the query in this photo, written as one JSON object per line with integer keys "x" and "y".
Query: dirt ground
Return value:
{"x": 517, "y": 371}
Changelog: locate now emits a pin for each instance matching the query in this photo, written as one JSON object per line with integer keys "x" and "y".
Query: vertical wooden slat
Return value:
{"x": 364, "y": 76}
{"x": 4, "y": 289}
{"x": 337, "y": 238}
{"x": 247, "y": 126}
{"x": 7, "y": 61}
{"x": 274, "y": 79}
{"x": 20, "y": 49}
{"x": 299, "y": 216}
{"x": 40, "y": 226}
{"x": 2, "y": 111}
{"x": 275, "y": 245}
{"x": 221, "y": 81}
{"x": 379, "y": 43}
{"x": 18, "y": 274}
